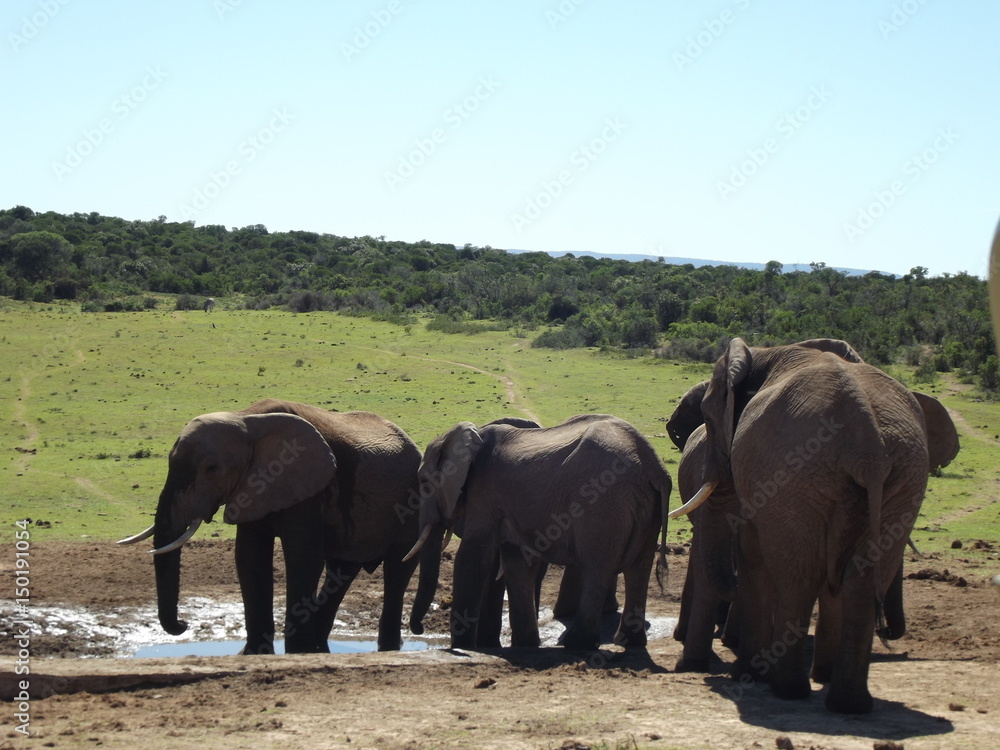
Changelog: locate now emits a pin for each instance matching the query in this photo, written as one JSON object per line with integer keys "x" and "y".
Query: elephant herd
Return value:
{"x": 804, "y": 470}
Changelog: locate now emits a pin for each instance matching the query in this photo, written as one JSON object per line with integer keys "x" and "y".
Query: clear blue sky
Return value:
{"x": 860, "y": 133}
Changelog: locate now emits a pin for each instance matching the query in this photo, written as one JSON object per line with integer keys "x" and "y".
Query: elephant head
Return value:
{"x": 442, "y": 475}
{"x": 736, "y": 377}
{"x": 687, "y": 417}
{"x": 942, "y": 437}
{"x": 254, "y": 464}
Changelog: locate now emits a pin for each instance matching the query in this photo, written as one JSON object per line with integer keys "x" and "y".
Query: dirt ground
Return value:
{"x": 937, "y": 688}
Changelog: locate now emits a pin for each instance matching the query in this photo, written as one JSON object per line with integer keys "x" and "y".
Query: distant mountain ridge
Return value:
{"x": 698, "y": 262}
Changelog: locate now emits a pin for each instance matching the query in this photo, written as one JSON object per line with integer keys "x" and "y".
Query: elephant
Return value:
{"x": 827, "y": 459}
{"x": 589, "y": 492}
{"x": 490, "y": 624}
{"x": 338, "y": 489}
{"x": 709, "y": 586}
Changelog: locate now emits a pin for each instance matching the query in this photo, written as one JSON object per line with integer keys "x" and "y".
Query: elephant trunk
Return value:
{"x": 167, "y": 566}
{"x": 430, "y": 568}
{"x": 168, "y": 579}
{"x": 718, "y": 552}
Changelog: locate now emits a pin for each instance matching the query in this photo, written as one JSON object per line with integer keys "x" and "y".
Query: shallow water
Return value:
{"x": 231, "y": 648}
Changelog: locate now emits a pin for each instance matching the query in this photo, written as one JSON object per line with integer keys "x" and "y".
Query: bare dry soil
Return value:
{"x": 936, "y": 688}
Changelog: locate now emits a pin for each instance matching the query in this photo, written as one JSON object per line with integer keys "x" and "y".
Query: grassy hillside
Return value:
{"x": 92, "y": 402}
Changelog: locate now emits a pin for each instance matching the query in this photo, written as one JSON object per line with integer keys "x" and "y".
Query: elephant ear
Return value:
{"x": 459, "y": 448}
{"x": 835, "y": 346}
{"x": 290, "y": 462}
{"x": 942, "y": 437}
{"x": 719, "y": 406}
{"x": 687, "y": 416}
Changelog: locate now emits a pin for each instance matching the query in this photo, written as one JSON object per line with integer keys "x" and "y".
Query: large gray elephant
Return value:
{"x": 590, "y": 492}
{"x": 710, "y": 583}
{"x": 337, "y": 488}
{"x": 490, "y": 623}
{"x": 828, "y": 460}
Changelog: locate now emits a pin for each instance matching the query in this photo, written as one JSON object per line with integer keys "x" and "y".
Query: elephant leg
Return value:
{"x": 340, "y": 574}
{"x": 827, "y": 635}
{"x": 300, "y": 530}
{"x": 569, "y": 595}
{"x": 585, "y": 631}
{"x": 520, "y": 575}
{"x": 474, "y": 562}
{"x": 632, "y": 627}
{"x": 687, "y": 602}
{"x": 396, "y": 576}
{"x": 491, "y": 610}
{"x": 785, "y": 655}
{"x": 753, "y": 606}
{"x": 699, "y": 613}
{"x": 254, "y": 555}
{"x": 849, "y": 679}
{"x": 303, "y": 569}
{"x": 895, "y": 615}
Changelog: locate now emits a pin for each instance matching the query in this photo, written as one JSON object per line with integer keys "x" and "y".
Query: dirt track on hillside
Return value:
{"x": 937, "y": 688}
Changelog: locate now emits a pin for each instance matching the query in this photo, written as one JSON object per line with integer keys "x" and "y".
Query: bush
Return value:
{"x": 989, "y": 375}
{"x": 561, "y": 338}
{"x": 187, "y": 302}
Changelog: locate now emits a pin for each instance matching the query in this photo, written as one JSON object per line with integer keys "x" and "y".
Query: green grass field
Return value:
{"x": 93, "y": 402}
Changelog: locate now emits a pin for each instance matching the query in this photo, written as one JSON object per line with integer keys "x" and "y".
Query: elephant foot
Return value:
{"x": 576, "y": 640}
{"x": 258, "y": 649}
{"x": 847, "y": 702}
{"x": 822, "y": 673}
{"x": 629, "y": 639}
{"x": 525, "y": 641}
{"x": 691, "y": 664}
{"x": 390, "y": 644}
{"x": 742, "y": 671}
{"x": 891, "y": 632}
{"x": 797, "y": 689}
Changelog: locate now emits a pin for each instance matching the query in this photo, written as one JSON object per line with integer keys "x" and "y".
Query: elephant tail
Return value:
{"x": 874, "y": 553}
{"x": 662, "y": 567}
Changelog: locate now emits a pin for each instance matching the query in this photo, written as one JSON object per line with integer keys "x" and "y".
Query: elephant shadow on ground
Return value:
{"x": 890, "y": 720}
{"x": 549, "y": 657}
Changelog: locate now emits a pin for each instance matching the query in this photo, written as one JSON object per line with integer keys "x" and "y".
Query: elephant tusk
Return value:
{"x": 179, "y": 542}
{"x": 138, "y": 537}
{"x": 702, "y": 495}
{"x": 909, "y": 541}
{"x": 420, "y": 543}
{"x": 447, "y": 538}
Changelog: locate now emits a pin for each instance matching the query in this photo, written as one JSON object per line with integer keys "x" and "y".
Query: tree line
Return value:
{"x": 937, "y": 323}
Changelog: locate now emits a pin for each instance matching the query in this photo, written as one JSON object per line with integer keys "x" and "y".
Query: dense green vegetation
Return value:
{"x": 936, "y": 324}
{"x": 92, "y": 402}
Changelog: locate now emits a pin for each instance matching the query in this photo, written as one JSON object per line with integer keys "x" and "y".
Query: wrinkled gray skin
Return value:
{"x": 491, "y": 612}
{"x": 338, "y": 489}
{"x": 590, "y": 492}
{"x": 710, "y": 583}
{"x": 829, "y": 459}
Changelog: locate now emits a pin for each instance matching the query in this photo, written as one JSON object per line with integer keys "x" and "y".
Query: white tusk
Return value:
{"x": 138, "y": 537}
{"x": 447, "y": 538}
{"x": 694, "y": 502}
{"x": 179, "y": 542}
{"x": 420, "y": 543}
{"x": 499, "y": 571}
